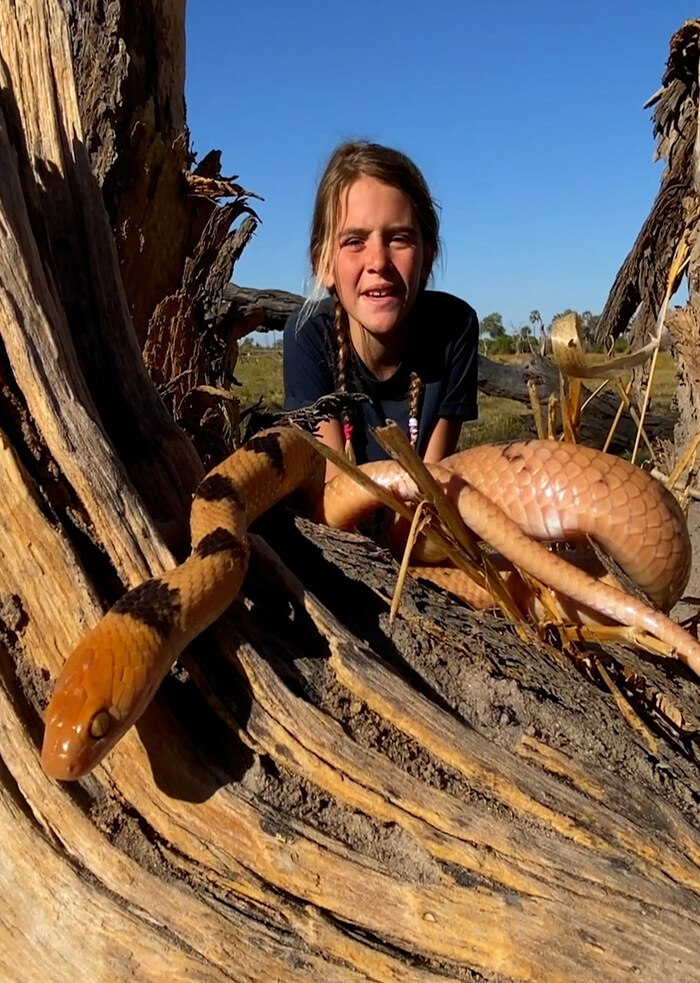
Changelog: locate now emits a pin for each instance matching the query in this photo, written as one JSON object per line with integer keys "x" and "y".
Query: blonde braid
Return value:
{"x": 342, "y": 340}
{"x": 415, "y": 390}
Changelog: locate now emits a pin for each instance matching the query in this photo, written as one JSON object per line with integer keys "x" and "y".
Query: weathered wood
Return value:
{"x": 641, "y": 283}
{"x": 670, "y": 229}
{"x": 190, "y": 351}
{"x": 259, "y": 310}
{"x": 314, "y": 795}
{"x": 130, "y": 71}
{"x": 64, "y": 315}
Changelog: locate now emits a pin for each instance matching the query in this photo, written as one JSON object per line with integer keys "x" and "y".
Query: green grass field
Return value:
{"x": 259, "y": 370}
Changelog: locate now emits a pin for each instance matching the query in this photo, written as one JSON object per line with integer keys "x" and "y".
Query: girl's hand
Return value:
{"x": 443, "y": 440}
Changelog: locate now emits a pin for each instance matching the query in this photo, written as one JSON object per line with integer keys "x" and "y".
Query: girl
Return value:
{"x": 413, "y": 352}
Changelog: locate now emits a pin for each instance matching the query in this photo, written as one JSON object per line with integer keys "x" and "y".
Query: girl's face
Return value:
{"x": 379, "y": 259}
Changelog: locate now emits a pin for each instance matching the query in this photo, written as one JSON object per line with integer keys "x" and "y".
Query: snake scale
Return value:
{"x": 510, "y": 495}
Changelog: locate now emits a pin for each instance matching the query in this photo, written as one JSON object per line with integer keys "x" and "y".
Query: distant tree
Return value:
{"x": 492, "y": 326}
{"x": 589, "y": 328}
{"x": 503, "y": 345}
{"x": 536, "y": 320}
{"x": 494, "y": 338}
{"x": 524, "y": 339}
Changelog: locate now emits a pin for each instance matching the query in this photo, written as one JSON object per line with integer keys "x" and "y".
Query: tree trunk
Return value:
{"x": 666, "y": 251}
{"x": 130, "y": 74}
{"x": 637, "y": 294}
{"x": 314, "y": 795}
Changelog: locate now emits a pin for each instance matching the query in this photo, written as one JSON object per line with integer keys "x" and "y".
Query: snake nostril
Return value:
{"x": 100, "y": 724}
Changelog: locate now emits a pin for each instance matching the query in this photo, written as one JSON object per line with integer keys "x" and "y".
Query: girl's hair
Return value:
{"x": 350, "y": 161}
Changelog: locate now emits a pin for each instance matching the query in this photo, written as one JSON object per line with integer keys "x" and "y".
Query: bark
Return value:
{"x": 314, "y": 795}
{"x": 259, "y": 310}
{"x": 130, "y": 72}
{"x": 641, "y": 283}
{"x": 652, "y": 269}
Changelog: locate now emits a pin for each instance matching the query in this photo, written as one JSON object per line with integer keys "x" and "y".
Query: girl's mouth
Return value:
{"x": 380, "y": 294}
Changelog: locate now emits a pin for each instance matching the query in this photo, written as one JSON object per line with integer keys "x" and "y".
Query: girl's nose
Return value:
{"x": 377, "y": 255}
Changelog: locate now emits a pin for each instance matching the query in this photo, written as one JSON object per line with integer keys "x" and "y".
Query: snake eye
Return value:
{"x": 100, "y": 724}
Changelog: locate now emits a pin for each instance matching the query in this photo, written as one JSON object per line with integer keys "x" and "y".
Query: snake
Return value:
{"x": 513, "y": 496}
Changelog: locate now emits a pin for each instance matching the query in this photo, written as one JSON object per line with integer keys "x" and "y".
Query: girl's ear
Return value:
{"x": 329, "y": 282}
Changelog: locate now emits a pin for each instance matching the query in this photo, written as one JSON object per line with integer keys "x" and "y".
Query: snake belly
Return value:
{"x": 507, "y": 494}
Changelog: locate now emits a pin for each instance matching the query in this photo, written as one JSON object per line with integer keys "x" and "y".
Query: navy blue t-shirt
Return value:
{"x": 441, "y": 347}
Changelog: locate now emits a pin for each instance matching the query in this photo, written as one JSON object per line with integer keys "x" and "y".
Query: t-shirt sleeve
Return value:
{"x": 462, "y": 366}
{"x": 307, "y": 362}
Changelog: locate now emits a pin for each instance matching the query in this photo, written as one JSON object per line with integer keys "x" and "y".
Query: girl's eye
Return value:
{"x": 354, "y": 242}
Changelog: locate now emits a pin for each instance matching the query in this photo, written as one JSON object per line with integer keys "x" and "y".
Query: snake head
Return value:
{"x": 83, "y": 720}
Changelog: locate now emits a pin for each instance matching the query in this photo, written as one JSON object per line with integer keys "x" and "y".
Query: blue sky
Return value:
{"x": 526, "y": 119}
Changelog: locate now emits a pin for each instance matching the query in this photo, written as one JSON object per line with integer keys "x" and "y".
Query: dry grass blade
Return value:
{"x": 666, "y": 479}
{"x": 570, "y": 392}
{"x": 569, "y": 355}
{"x": 418, "y": 524}
{"x": 680, "y": 260}
{"x": 621, "y": 635}
{"x": 552, "y": 404}
{"x": 343, "y": 464}
{"x": 592, "y": 395}
{"x": 624, "y": 401}
{"x": 647, "y": 396}
{"x": 686, "y": 461}
{"x": 396, "y": 444}
{"x": 536, "y": 407}
{"x": 628, "y": 711}
{"x": 632, "y": 692}
{"x": 554, "y": 615}
{"x": 387, "y": 499}
{"x": 641, "y": 432}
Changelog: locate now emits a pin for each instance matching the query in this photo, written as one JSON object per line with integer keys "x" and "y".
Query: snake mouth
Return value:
{"x": 63, "y": 765}
{"x": 73, "y": 759}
